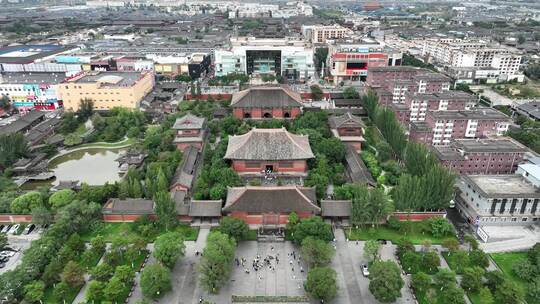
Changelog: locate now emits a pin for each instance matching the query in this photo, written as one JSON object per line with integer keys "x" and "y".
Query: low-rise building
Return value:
{"x": 498, "y": 200}
{"x": 262, "y": 152}
{"x": 481, "y": 156}
{"x": 190, "y": 131}
{"x": 27, "y": 91}
{"x": 321, "y": 33}
{"x": 440, "y": 127}
{"x": 266, "y": 103}
{"x": 349, "y": 129}
{"x": 106, "y": 89}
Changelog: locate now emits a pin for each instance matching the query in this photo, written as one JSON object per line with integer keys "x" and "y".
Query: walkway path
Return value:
{"x": 81, "y": 296}
{"x": 346, "y": 264}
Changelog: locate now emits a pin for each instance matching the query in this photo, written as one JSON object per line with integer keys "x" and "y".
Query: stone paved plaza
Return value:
{"x": 286, "y": 280}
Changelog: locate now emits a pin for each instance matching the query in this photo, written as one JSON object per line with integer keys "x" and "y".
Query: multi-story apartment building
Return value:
{"x": 487, "y": 200}
{"x": 459, "y": 55}
{"x": 28, "y": 91}
{"x": 288, "y": 58}
{"x": 351, "y": 60}
{"x": 321, "y": 33}
{"x": 481, "y": 156}
{"x": 418, "y": 104}
{"x": 106, "y": 89}
{"x": 440, "y": 127}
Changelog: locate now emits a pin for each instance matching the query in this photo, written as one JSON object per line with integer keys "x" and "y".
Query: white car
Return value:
{"x": 14, "y": 228}
{"x": 7, "y": 253}
{"x": 365, "y": 270}
{"x": 6, "y": 229}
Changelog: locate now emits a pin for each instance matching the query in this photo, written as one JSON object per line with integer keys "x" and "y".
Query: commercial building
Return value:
{"x": 418, "y": 104}
{"x": 262, "y": 152}
{"x": 194, "y": 65}
{"x": 351, "y": 60}
{"x": 35, "y": 58}
{"x": 106, "y": 89}
{"x": 440, "y": 127}
{"x": 288, "y": 58}
{"x": 27, "y": 91}
{"x": 321, "y": 33}
{"x": 458, "y": 55}
{"x": 266, "y": 103}
{"x": 498, "y": 200}
{"x": 481, "y": 156}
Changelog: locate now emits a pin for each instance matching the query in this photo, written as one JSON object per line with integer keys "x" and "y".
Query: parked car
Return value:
{"x": 6, "y": 228}
{"x": 365, "y": 270}
{"x": 14, "y": 229}
{"x": 29, "y": 229}
{"x": 7, "y": 254}
{"x": 2, "y": 265}
{"x": 4, "y": 259}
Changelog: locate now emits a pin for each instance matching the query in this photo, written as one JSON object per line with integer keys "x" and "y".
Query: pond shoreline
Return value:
{"x": 103, "y": 145}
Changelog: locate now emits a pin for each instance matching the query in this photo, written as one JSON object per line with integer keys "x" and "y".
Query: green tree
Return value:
{"x": 12, "y": 147}
{"x": 321, "y": 283}
{"x": 95, "y": 292}
{"x": 3, "y": 241}
{"x": 97, "y": 244}
{"x": 444, "y": 277}
{"x": 451, "y": 244}
{"x": 155, "y": 281}
{"x": 42, "y": 216}
{"x": 52, "y": 272}
{"x": 27, "y": 202}
{"x": 321, "y": 53}
{"x": 292, "y": 220}
{"x": 411, "y": 262}
{"x": 385, "y": 281}
{"x": 525, "y": 269}
{"x": 61, "y": 198}
{"x": 115, "y": 289}
{"x": 34, "y": 292}
{"x": 86, "y": 109}
{"x": 316, "y": 252}
{"x": 453, "y": 295}
{"x": 215, "y": 264}
{"x": 312, "y": 226}
{"x": 73, "y": 274}
{"x": 533, "y": 290}
{"x": 479, "y": 258}
{"x": 234, "y": 227}
{"x": 485, "y": 296}
{"x": 168, "y": 248}
{"x": 4, "y": 103}
{"x": 508, "y": 293}
{"x": 350, "y": 93}
{"x": 494, "y": 279}
{"x": 165, "y": 209}
{"x": 440, "y": 227}
{"x": 471, "y": 279}
{"x": 421, "y": 282}
{"x": 102, "y": 272}
{"x": 316, "y": 92}
{"x": 61, "y": 291}
{"x": 431, "y": 261}
{"x": 371, "y": 250}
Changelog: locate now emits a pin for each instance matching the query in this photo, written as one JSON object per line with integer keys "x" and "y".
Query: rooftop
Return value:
{"x": 270, "y": 97}
{"x": 532, "y": 109}
{"x": 24, "y": 54}
{"x": 113, "y": 79}
{"x": 189, "y": 121}
{"x": 268, "y": 144}
{"x": 31, "y": 78}
{"x": 480, "y": 113}
{"x": 502, "y": 186}
{"x": 345, "y": 120}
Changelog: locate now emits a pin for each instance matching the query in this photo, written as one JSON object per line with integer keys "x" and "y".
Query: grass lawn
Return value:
{"x": 112, "y": 230}
{"x": 453, "y": 263}
{"x": 252, "y": 235}
{"x": 505, "y": 261}
{"x": 415, "y": 234}
{"x": 474, "y": 297}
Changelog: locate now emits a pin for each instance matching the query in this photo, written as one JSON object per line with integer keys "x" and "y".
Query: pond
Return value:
{"x": 93, "y": 166}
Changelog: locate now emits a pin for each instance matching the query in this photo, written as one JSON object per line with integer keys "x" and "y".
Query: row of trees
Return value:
{"x": 216, "y": 261}
{"x": 528, "y": 269}
{"x": 369, "y": 206}
{"x": 12, "y": 147}
{"x": 427, "y": 184}
{"x": 314, "y": 236}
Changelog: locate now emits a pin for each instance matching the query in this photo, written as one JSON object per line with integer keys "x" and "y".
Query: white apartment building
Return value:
{"x": 462, "y": 58}
{"x": 320, "y": 33}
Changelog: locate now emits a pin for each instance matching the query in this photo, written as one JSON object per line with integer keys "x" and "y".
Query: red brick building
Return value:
{"x": 440, "y": 127}
{"x": 481, "y": 156}
{"x": 349, "y": 129}
{"x": 190, "y": 131}
{"x": 416, "y": 105}
{"x": 266, "y": 103}
{"x": 263, "y": 151}
{"x": 127, "y": 210}
{"x": 260, "y": 205}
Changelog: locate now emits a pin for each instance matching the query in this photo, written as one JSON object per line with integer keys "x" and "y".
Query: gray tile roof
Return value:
{"x": 189, "y": 122}
{"x": 345, "y": 121}
{"x": 280, "y": 199}
{"x": 205, "y": 208}
{"x": 357, "y": 169}
{"x": 268, "y": 144}
{"x": 129, "y": 206}
{"x": 266, "y": 97}
{"x": 339, "y": 208}
{"x": 184, "y": 172}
